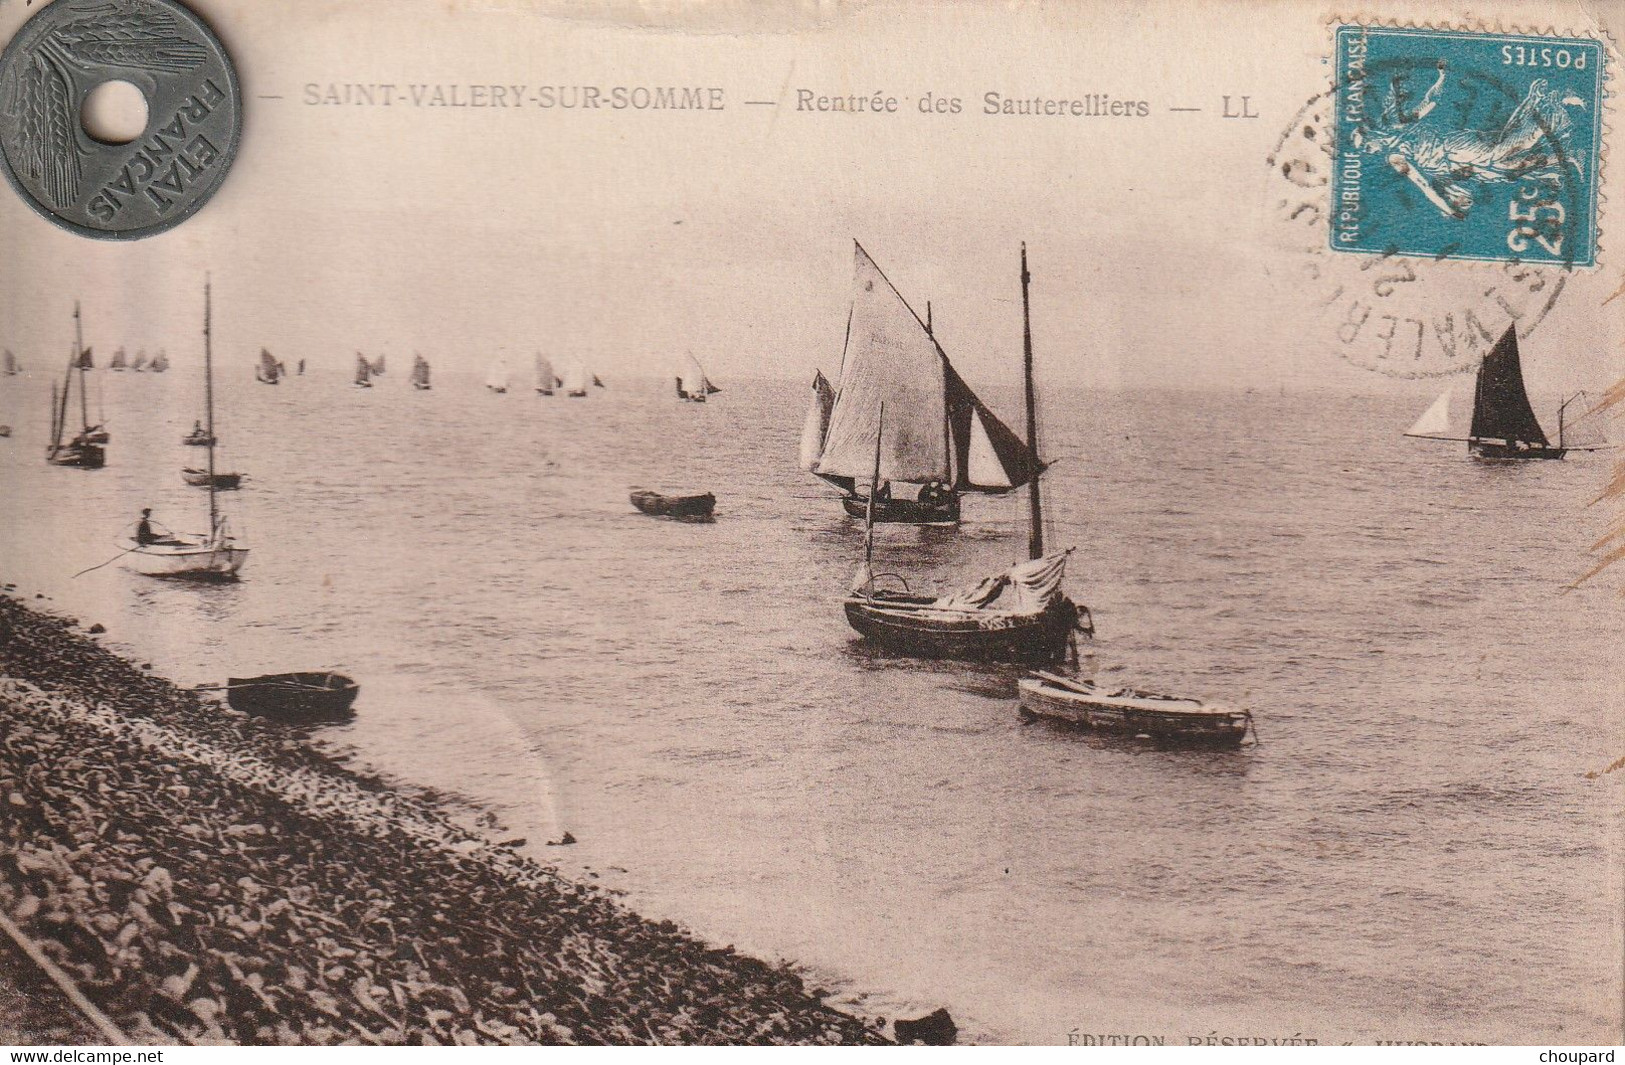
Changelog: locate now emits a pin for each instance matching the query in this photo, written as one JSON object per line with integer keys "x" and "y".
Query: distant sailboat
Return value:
{"x": 576, "y": 380}
{"x": 212, "y": 556}
{"x": 363, "y": 371}
{"x": 82, "y": 450}
{"x": 119, "y": 362}
{"x": 496, "y": 378}
{"x": 86, "y": 360}
{"x": 546, "y": 380}
{"x": 420, "y": 373}
{"x": 1021, "y": 615}
{"x": 596, "y": 382}
{"x": 9, "y": 362}
{"x": 1504, "y": 426}
{"x": 692, "y": 384}
{"x": 140, "y": 363}
{"x": 301, "y": 367}
{"x": 160, "y": 362}
{"x": 378, "y": 366}
{"x": 269, "y": 371}
{"x": 943, "y": 438}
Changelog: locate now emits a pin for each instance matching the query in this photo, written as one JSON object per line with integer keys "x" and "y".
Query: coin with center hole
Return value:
{"x": 169, "y": 167}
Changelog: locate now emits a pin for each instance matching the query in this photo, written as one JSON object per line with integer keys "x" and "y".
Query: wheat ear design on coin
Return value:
{"x": 50, "y": 144}
{"x": 139, "y": 39}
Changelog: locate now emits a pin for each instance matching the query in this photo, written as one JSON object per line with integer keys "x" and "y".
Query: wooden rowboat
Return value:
{"x": 200, "y": 478}
{"x": 682, "y": 507}
{"x": 1130, "y": 712}
{"x": 293, "y": 694}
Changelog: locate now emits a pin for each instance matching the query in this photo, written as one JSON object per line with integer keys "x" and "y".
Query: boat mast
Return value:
{"x": 1035, "y": 536}
{"x": 874, "y": 490}
{"x": 208, "y": 405}
{"x": 79, "y": 354}
{"x": 60, "y": 411}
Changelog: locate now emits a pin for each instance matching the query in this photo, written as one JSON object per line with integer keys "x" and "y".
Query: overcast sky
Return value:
{"x": 630, "y": 238}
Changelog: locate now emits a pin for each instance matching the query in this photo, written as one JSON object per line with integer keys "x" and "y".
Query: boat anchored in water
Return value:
{"x": 268, "y": 371}
{"x": 1504, "y": 426}
{"x": 160, "y": 362}
{"x": 692, "y": 384}
{"x": 119, "y": 362}
{"x": 496, "y": 378}
{"x": 692, "y": 506}
{"x": 1021, "y": 615}
{"x": 8, "y": 364}
{"x": 547, "y": 382}
{"x": 363, "y": 371}
{"x": 944, "y": 441}
{"x": 212, "y": 556}
{"x": 84, "y": 450}
{"x": 420, "y": 373}
{"x": 1131, "y": 712}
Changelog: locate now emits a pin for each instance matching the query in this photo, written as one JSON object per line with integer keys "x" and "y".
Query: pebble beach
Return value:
{"x": 209, "y": 878}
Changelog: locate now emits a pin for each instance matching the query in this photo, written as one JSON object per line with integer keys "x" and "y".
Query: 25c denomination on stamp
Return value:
{"x": 1462, "y": 145}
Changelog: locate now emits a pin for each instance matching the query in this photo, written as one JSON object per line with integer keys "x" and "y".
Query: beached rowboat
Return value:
{"x": 292, "y": 694}
{"x": 1130, "y": 712}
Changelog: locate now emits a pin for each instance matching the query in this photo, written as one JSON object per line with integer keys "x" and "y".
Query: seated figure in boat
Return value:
{"x": 145, "y": 534}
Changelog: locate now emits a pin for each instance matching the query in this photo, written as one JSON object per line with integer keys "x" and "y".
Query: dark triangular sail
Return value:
{"x": 988, "y": 455}
{"x": 1501, "y": 409}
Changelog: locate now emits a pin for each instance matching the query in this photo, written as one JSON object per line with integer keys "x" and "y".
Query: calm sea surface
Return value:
{"x": 1412, "y": 853}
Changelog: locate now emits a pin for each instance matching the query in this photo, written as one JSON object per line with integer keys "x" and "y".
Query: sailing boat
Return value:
{"x": 944, "y": 439}
{"x": 363, "y": 371}
{"x": 1504, "y": 425}
{"x": 9, "y": 363}
{"x": 546, "y": 379}
{"x": 140, "y": 363}
{"x": 496, "y": 379}
{"x": 1020, "y": 615}
{"x": 692, "y": 384}
{"x": 576, "y": 380}
{"x": 269, "y": 371}
{"x": 420, "y": 373}
{"x": 212, "y": 556}
{"x": 301, "y": 367}
{"x": 378, "y": 366}
{"x": 83, "y": 451}
{"x": 119, "y": 361}
{"x": 160, "y": 362}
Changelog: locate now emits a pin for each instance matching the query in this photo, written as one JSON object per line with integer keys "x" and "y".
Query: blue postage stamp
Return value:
{"x": 1458, "y": 145}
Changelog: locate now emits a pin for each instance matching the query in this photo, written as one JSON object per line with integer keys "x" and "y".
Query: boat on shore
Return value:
{"x": 1504, "y": 426}
{"x": 84, "y": 449}
{"x": 684, "y": 507}
{"x": 1021, "y": 615}
{"x": 215, "y": 555}
{"x": 1132, "y": 712}
{"x": 299, "y": 695}
{"x": 944, "y": 443}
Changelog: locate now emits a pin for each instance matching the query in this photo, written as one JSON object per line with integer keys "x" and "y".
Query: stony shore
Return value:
{"x": 207, "y": 877}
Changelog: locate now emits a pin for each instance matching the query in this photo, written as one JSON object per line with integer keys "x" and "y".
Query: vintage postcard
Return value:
{"x": 620, "y": 523}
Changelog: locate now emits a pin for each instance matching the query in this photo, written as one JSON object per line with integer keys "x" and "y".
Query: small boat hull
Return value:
{"x": 200, "y": 479}
{"x": 909, "y": 625}
{"x": 187, "y": 558}
{"x": 905, "y": 511}
{"x": 685, "y": 507}
{"x": 84, "y": 456}
{"x": 420, "y": 386}
{"x": 193, "y": 440}
{"x": 293, "y": 695}
{"x": 1483, "y": 449}
{"x": 1131, "y": 713}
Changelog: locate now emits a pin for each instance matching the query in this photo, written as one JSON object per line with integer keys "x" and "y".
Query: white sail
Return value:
{"x": 576, "y": 377}
{"x": 545, "y": 378}
{"x": 1435, "y": 421}
{"x": 985, "y": 467}
{"x": 691, "y": 379}
{"x": 890, "y": 360}
{"x": 496, "y": 378}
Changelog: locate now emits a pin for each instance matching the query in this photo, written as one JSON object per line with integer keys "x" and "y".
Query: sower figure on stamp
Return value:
{"x": 1441, "y": 163}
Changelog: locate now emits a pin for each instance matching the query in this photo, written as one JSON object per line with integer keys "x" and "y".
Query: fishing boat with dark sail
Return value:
{"x": 9, "y": 364}
{"x": 363, "y": 371}
{"x": 216, "y": 555}
{"x": 84, "y": 449}
{"x": 547, "y": 382}
{"x": 420, "y": 373}
{"x": 268, "y": 371}
{"x": 692, "y": 384}
{"x": 1504, "y": 426}
{"x": 1021, "y": 615}
{"x": 944, "y": 443}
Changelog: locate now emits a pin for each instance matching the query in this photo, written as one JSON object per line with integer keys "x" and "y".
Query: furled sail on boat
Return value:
{"x": 496, "y": 378}
{"x": 692, "y": 384}
{"x": 160, "y": 362}
{"x": 140, "y": 363}
{"x": 216, "y": 555}
{"x": 9, "y": 362}
{"x": 943, "y": 438}
{"x": 119, "y": 362}
{"x": 269, "y": 371}
{"x": 363, "y": 371}
{"x": 84, "y": 449}
{"x": 420, "y": 373}
{"x": 1504, "y": 425}
{"x": 546, "y": 380}
{"x": 816, "y": 426}
{"x": 1020, "y": 615}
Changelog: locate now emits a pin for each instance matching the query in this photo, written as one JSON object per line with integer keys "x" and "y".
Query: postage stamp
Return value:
{"x": 1462, "y": 145}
